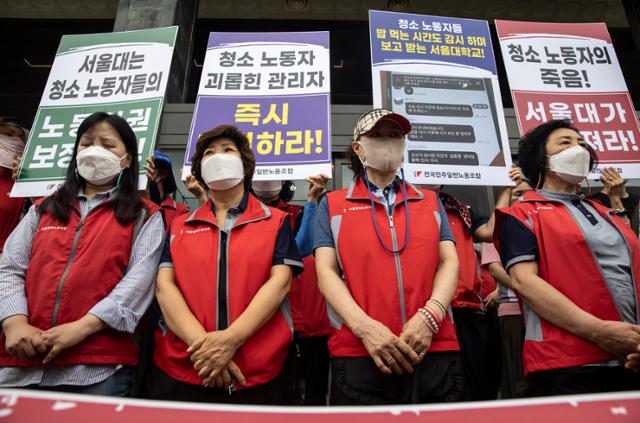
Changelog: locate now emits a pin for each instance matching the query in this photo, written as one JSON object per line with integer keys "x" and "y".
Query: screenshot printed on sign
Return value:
{"x": 453, "y": 118}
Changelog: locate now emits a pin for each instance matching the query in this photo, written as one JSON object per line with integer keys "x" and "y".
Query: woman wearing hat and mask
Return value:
{"x": 13, "y": 138}
{"x": 575, "y": 265}
{"x": 78, "y": 271}
{"x": 222, "y": 284}
{"x": 387, "y": 266}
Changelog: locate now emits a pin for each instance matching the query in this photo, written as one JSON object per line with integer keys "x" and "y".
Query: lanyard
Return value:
{"x": 406, "y": 213}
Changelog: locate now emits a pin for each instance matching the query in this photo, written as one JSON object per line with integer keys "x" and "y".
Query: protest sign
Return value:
{"x": 275, "y": 88}
{"x": 570, "y": 71}
{"x": 440, "y": 73}
{"x": 122, "y": 72}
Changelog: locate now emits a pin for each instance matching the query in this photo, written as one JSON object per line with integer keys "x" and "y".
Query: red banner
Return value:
{"x": 570, "y": 71}
{"x": 33, "y": 406}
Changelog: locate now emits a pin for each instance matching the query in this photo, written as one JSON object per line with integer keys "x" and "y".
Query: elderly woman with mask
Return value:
{"x": 575, "y": 265}
{"x": 387, "y": 267}
{"x": 222, "y": 284}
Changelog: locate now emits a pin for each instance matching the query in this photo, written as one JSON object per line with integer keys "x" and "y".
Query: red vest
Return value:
{"x": 292, "y": 209}
{"x": 567, "y": 264}
{"x": 468, "y": 291}
{"x": 488, "y": 282}
{"x": 194, "y": 248}
{"x": 170, "y": 209}
{"x": 308, "y": 306}
{"x": 388, "y": 287}
{"x": 74, "y": 266}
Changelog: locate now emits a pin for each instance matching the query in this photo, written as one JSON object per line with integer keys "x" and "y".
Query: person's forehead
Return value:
{"x": 6, "y": 127}
{"x": 221, "y": 142}
{"x": 101, "y": 127}
{"x": 566, "y": 132}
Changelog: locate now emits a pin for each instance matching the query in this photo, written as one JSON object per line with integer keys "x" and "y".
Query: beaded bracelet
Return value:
{"x": 433, "y": 314}
{"x": 434, "y": 325}
{"x": 432, "y": 321}
{"x": 426, "y": 321}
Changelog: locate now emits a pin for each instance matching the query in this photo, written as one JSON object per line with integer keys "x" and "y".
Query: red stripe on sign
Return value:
{"x": 596, "y": 31}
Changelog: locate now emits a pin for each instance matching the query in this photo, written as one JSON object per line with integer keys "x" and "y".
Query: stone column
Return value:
{"x": 143, "y": 14}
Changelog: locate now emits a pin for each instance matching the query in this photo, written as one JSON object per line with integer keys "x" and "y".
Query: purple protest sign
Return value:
{"x": 282, "y": 130}
{"x": 318, "y": 38}
{"x": 274, "y": 87}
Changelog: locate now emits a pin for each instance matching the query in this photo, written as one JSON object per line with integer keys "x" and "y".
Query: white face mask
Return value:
{"x": 97, "y": 165}
{"x": 572, "y": 164}
{"x": 266, "y": 189}
{"x": 222, "y": 171}
{"x": 10, "y": 148}
{"x": 383, "y": 154}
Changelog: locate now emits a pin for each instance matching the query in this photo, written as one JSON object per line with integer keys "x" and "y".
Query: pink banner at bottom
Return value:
{"x": 35, "y": 406}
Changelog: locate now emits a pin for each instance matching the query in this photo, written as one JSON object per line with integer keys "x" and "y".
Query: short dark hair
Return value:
{"x": 532, "y": 154}
{"x": 127, "y": 203}
{"x": 241, "y": 141}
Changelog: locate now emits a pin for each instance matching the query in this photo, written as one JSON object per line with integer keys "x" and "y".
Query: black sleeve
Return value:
{"x": 477, "y": 220}
{"x": 26, "y": 205}
{"x": 298, "y": 222}
{"x": 517, "y": 243}
{"x": 165, "y": 259}
{"x": 602, "y": 199}
{"x": 630, "y": 204}
{"x": 286, "y": 251}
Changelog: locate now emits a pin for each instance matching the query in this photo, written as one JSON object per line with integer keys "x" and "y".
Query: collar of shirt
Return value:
{"x": 238, "y": 210}
{"x": 105, "y": 194}
{"x": 393, "y": 187}
{"x": 387, "y": 196}
{"x": 566, "y": 196}
{"x": 87, "y": 204}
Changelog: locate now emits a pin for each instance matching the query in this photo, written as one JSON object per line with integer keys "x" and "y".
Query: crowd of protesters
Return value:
{"x": 382, "y": 293}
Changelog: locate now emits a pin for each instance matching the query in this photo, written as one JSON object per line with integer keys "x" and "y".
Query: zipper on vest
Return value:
{"x": 74, "y": 245}
{"x": 222, "y": 294}
{"x": 396, "y": 257}
{"x": 222, "y": 283}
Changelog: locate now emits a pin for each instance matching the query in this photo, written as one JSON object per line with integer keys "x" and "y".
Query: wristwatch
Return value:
{"x": 620, "y": 212}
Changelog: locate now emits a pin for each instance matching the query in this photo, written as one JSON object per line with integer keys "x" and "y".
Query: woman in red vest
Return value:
{"x": 78, "y": 272}
{"x": 222, "y": 284}
{"x": 575, "y": 265}
{"x": 387, "y": 265}
{"x": 308, "y": 307}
